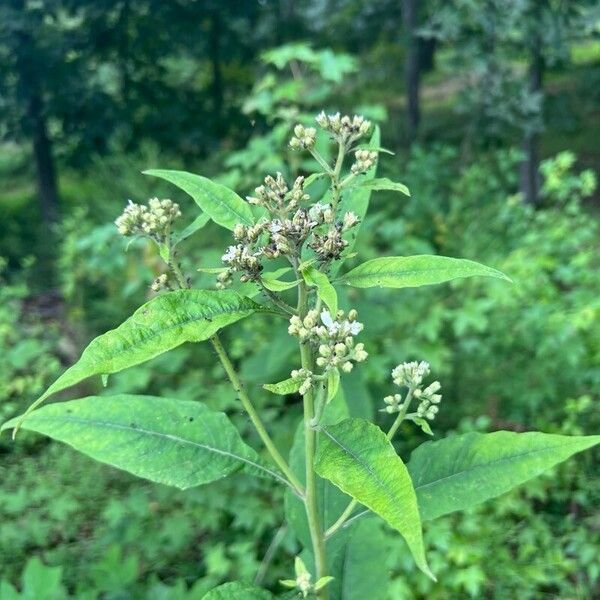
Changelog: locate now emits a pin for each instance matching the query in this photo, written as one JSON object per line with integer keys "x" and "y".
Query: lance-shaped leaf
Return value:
{"x": 238, "y": 591}
{"x": 161, "y": 324}
{"x": 463, "y": 470}
{"x": 325, "y": 290}
{"x": 223, "y": 205}
{"x": 383, "y": 184}
{"x": 415, "y": 271}
{"x": 175, "y": 442}
{"x": 357, "y": 457}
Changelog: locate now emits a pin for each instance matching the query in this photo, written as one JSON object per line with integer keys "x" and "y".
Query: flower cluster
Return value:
{"x": 153, "y": 220}
{"x": 277, "y": 197}
{"x": 410, "y": 375}
{"x": 160, "y": 283}
{"x": 345, "y": 130}
{"x": 303, "y": 582}
{"x": 285, "y": 233}
{"x": 365, "y": 159}
{"x": 305, "y": 378}
{"x": 334, "y": 338}
{"x": 304, "y": 137}
{"x": 429, "y": 400}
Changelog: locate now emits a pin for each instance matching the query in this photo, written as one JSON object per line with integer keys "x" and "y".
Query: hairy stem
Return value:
{"x": 344, "y": 517}
{"x": 310, "y": 500}
{"x": 238, "y": 386}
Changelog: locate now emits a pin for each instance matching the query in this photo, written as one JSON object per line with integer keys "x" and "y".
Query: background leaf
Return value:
{"x": 175, "y": 442}
{"x": 415, "y": 271}
{"x": 198, "y": 223}
{"x": 357, "y": 457}
{"x": 238, "y": 591}
{"x": 463, "y": 470}
{"x": 359, "y": 567}
{"x": 223, "y": 205}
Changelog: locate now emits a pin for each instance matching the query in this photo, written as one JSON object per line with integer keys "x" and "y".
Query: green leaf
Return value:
{"x": 415, "y": 271}
{"x": 312, "y": 178}
{"x": 463, "y": 470}
{"x": 223, "y": 205}
{"x": 357, "y": 457}
{"x": 382, "y": 183}
{"x": 238, "y": 591}
{"x": 325, "y": 290}
{"x": 359, "y": 567}
{"x": 422, "y": 423}
{"x": 285, "y": 387}
{"x": 174, "y": 442}
{"x": 212, "y": 269}
{"x": 322, "y": 582}
{"x": 161, "y": 324}
{"x": 276, "y": 285}
{"x": 333, "y": 384}
{"x": 198, "y": 223}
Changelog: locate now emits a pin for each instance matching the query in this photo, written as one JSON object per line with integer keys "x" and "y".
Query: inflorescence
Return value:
{"x": 410, "y": 375}
{"x": 153, "y": 220}
{"x": 334, "y": 340}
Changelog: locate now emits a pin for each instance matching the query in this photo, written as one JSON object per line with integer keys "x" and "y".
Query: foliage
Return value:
{"x": 184, "y": 444}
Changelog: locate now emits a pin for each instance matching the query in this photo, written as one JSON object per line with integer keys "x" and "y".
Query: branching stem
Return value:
{"x": 238, "y": 386}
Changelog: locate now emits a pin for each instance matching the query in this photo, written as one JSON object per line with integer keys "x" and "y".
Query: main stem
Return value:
{"x": 310, "y": 500}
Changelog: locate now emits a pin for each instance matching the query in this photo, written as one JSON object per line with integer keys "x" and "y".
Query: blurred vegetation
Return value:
{"x": 492, "y": 113}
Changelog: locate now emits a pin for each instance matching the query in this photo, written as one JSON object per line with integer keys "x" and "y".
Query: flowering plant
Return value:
{"x": 341, "y": 471}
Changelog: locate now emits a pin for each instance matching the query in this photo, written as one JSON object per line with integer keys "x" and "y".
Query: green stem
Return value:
{"x": 335, "y": 177}
{"x": 238, "y": 386}
{"x": 276, "y": 300}
{"x": 390, "y": 434}
{"x": 321, "y": 161}
{"x": 310, "y": 500}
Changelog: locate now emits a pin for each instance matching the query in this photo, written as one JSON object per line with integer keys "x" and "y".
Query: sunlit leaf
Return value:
{"x": 161, "y": 324}
{"x": 175, "y": 442}
{"x": 357, "y": 457}
{"x": 223, "y": 205}
{"x": 415, "y": 271}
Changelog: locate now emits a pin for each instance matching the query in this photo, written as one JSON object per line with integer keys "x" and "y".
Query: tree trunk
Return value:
{"x": 35, "y": 127}
{"x": 530, "y": 172}
{"x": 217, "y": 75}
{"x": 44, "y": 162}
{"x": 412, "y": 71}
{"x": 427, "y": 48}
